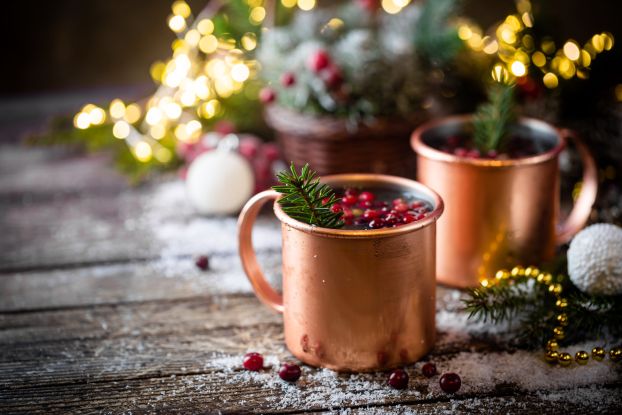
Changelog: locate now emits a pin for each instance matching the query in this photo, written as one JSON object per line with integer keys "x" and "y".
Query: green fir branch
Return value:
{"x": 532, "y": 310}
{"x": 493, "y": 118}
{"x": 435, "y": 39}
{"x": 306, "y": 199}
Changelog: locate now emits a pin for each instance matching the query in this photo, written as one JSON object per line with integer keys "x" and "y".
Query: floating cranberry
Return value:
{"x": 349, "y": 199}
{"x": 288, "y": 79}
{"x": 351, "y": 191}
{"x": 428, "y": 370}
{"x": 336, "y": 208}
{"x": 377, "y": 223}
{"x": 401, "y": 207}
{"x": 253, "y": 361}
{"x": 318, "y": 61}
{"x": 267, "y": 95}
{"x": 367, "y": 197}
{"x": 290, "y": 372}
{"x": 453, "y": 141}
{"x": 492, "y": 154}
{"x": 417, "y": 204}
{"x": 398, "y": 379}
{"x": 202, "y": 262}
{"x": 370, "y": 214}
{"x": 474, "y": 154}
{"x": 450, "y": 382}
{"x": 391, "y": 219}
{"x": 461, "y": 152}
{"x": 408, "y": 218}
{"x": 398, "y": 201}
{"x": 366, "y": 204}
{"x": 325, "y": 200}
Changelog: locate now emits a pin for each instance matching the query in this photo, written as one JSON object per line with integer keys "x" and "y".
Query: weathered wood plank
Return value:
{"x": 152, "y": 222}
{"x": 177, "y": 353}
{"x": 169, "y": 278}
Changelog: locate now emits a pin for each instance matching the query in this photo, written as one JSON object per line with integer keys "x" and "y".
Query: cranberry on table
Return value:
{"x": 253, "y": 361}
{"x": 428, "y": 370}
{"x": 450, "y": 382}
{"x": 398, "y": 379}
{"x": 202, "y": 262}
{"x": 290, "y": 372}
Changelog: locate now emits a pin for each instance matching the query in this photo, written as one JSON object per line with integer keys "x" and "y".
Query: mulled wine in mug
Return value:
{"x": 501, "y": 210}
{"x": 358, "y": 298}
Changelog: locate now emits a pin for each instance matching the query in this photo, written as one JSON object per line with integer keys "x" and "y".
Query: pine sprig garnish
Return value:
{"x": 306, "y": 199}
{"x": 493, "y": 118}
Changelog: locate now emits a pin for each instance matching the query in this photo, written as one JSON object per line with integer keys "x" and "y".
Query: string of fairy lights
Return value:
{"x": 206, "y": 68}
{"x": 517, "y": 50}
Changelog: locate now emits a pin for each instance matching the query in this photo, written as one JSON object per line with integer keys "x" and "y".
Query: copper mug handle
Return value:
{"x": 262, "y": 288}
{"x": 582, "y": 208}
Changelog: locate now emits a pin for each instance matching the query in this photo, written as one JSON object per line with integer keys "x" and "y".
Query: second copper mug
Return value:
{"x": 353, "y": 300}
{"x": 499, "y": 213}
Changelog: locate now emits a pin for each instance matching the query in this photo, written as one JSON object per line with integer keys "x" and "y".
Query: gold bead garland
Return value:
{"x": 553, "y": 355}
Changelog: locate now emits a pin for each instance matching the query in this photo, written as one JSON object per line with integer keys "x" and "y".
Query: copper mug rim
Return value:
{"x": 422, "y": 148}
{"x": 380, "y": 179}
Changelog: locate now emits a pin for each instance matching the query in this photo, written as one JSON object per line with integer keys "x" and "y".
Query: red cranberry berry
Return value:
{"x": 461, "y": 152}
{"x": 367, "y": 197}
{"x": 398, "y": 201}
{"x": 401, "y": 207}
{"x": 492, "y": 154}
{"x": 428, "y": 370}
{"x": 288, "y": 79}
{"x": 370, "y": 214}
{"x": 318, "y": 61}
{"x": 349, "y": 199}
{"x": 351, "y": 191}
{"x": 290, "y": 372}
{"x": 366, "y": 205}
{"x": 267, "y": 95}
{"x": 417, "y": 204}
{"x": 202, "y": 262}
{"x": 474, "y": 154}
{"x": 450, "y": 382}
{"x": 377, "y": 223}
{"x": 325, "y": 200}
{"x": 391, "y": 219}
{"x": 408, "y": 218}
{"x": 332, "y": 77}
{"x": 336, "y": 208}
{"x": 253, "y": 361}
{"x": 398, "y": 379}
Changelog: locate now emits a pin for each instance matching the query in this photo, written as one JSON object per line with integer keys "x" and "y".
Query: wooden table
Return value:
{"x": 103, "y": 311}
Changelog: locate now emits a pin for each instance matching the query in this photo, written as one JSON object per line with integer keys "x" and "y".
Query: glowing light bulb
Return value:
{"x": 132, "y": 113}
{"x": 157, "y": 131}
{"x": 550, "y": 80}
{"x": 208, "y": 44}
{"x": 306, "y": 5}
{"x": 571, "y": 50}
{"x": 249, "y": 41}
{"x": 192, "y": 37}
{"x": 177, "y": 23}
{"x": 388, "y": 6}
{"x": 205, "y": 26}
{"x": 181, "y": 8}
{"x": 289, "y": 3}
{"x": 538, "y": 59}
{"x": 97, "y": 116}
{"x": 117, "y": 109}
{"x": 172, "y": 111}
{"x": 464, "y": 32}
{"x": 518, "y": 68}
{"x": 82, "y": 120}
{"x": 154, "y": 116}
{"x": 257, "y": 15}
{"x": 240, "y": 72}
{"x": 121, "y": 129}
{"x": 143, "y": 151}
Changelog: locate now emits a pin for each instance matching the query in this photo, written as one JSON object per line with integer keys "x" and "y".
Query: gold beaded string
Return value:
{"x": 553, "y": 355}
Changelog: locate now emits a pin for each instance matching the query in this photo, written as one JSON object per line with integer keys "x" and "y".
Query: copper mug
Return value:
{"x": 353, "y": 300}
{"x": 499, "y": 213}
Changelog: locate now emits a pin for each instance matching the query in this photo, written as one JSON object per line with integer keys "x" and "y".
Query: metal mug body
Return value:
{"x": 359, "y": 300}
{"x": 499, "y": 213}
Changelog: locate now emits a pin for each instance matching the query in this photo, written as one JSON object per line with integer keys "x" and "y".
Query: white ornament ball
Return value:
{"x": 219, "y": 182}
{"x": 595, "y": 259}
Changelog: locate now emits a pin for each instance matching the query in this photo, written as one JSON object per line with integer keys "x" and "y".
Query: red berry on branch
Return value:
{"x": 398, "y": 379}
{"x": 267, "y": 95}
{"x": 288, "y": 79}
{"x": 202, "y": 262}
{"x": 332, "y": 77}
{"x": 253, "y": 361}
{"x": 318, "y": 60}
{"x": 290, "y": 372}
{"x": 450, "y": 382}
{"x": 428, "y": 370}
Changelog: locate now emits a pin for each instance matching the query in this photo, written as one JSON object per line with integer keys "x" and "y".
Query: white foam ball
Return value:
{"x": 595, "y": 259}
{"x": 219, "y": 182}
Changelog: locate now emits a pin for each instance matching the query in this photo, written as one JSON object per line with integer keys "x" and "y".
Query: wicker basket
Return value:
{"x": 330, "y": 147}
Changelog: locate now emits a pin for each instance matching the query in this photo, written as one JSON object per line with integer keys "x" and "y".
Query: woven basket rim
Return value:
{"x": 294, "y": 123}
